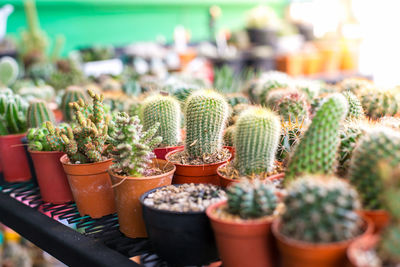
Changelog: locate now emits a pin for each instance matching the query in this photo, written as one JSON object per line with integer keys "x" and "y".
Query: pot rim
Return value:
{"x": 271, "y": 177}
{"x": 10, "y": 136}
{"x": 168, "y": 147}
{"x": 245, "y": 222}
{"x": 64, "y": 159}
{"x": 276, "y": 224}
{"x": 184, "y": 165}
{"x": 44, "y": 152}
{"x": 142, "y": 198}
{"x": 363, "y": 243}
{"x": 111, "y": 172}
{"x": 378, "y": 211}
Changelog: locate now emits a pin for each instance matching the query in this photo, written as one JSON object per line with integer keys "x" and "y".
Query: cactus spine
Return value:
{"x": 256, "y": 141}
{"x": 72, "y": 94}
{"x": 166, "y": 111}
{"x": 38, "y": 112}
{"x": 321, "y": 209}
{"x": 355, "y": 108}
{"x": 12, "y": 113}
{"x": 251, "y": 199}
{"x": 206, "y": 116}
{"x": 316, "y": 151}
{"x": 8, "y": 71}
{"x": 380, "y": 103}
{"x": 229, "y": 135}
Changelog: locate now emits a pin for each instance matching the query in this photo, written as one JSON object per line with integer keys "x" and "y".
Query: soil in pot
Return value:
{"x": 91, "y": 187}
{"x": 53, "y": 182}
{"x": 243, "y": 242}
{"x": 177, "y": 224}
{"x": 127, "y": 191}
{"x": 380, "y": 218}
{"x": 14, "y": 160}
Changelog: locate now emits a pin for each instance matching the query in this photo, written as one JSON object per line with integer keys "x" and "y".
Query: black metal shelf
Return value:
{"x": 69, "y": 237}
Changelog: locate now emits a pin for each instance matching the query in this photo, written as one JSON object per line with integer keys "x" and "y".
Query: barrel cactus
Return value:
{"x": 256, "y": 141}
{"x": 380, "y": 102}
{"x": 316, "y": 151}
{"x": 381, "y": 144}
{"x": 38, "y": 112}
{"x": 71, "y": 94}
{"x": 229, "y": 135}
{"x": 206, "y": 116}
{"x": 355, "y": 108}
{"x": 166, "y": 111}
{"x": 12, "y": 113}
{"x": 8, "y": 71}
{"x": 253, "y": 199}
{"x": 236, "y": 99}
{"x": 321, "y": 209}
{"x": 355, "y": 85}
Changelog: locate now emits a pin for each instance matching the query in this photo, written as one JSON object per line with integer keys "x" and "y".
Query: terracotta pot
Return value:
{"x": 58, "y": 115}
{"x": 380, "y": 218}
{"x": 303, "y": 254}
{"x": 91, "y": 187}
{"x": 162, "y": 151}
{"x": 127, "y": 191}
{"x": 198, "y": 174}
{"x": 14, "y": 159}
{"x": 245, "y": 243}
{"x": 53, "y": 182}
{"x": 292, "y": 64}
{"x": 363, "y": 244}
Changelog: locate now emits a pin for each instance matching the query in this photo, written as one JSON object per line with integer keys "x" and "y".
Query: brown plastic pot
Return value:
{"x": 127, "y": 192}
{"x": 360, "y": 246}
{"x": 162, "y": 151}
{"x": 303, "y": 254}
{"x": 197, "y": 174}
{"x": 91, "y": 187}
{"x": 53, "y": 182}
{"x": 244, "y": 243}
{"x": 380, "y": 218}
{"x": 13, "y": 159}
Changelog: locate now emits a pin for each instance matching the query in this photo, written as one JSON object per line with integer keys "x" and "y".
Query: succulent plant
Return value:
{"x": 355, "y": 108}
{"x": 86, "y": 143}
{"x": 321, "y": 209}
{"x": 380, "y": 103}
{"x": 291, "y": 134}
{"x": 132, "y": 146}
{"x": 236, "y": 99}
{"x": 258, "y": 89}
{"x": 229, "y": 135}
{"x": 38, "y": 112}
{"x": 206, "y": 116}
{"x": 316, "y": 151}
{"x": 44, "y": 92}
{"x": 68, "y": 73}
{"x": 12, "y": 113}
{"x": 37, "y": 138}
{"x": 381, "y": 144}
{"x": 41, "y": 71}
{"x": 166, "y": 111}
{"x": 256, "y": 141}
{"x": 71, "y": 94}
{"x": 8, "y": 71}
{"x": 310, "y": 88}
{"x": 253, "y": 199}
{"x": 236, "y": 110}
{"x": 355, "y": 85}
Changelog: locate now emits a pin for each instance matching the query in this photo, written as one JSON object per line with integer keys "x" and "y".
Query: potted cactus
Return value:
{"x": 86, "y": 162}
{"x": 53, "y": 182}
{"x": 165, "y": 110}
{"x": 242, "y": 224}
{"x": 13, "y": 126}
{"x": 319, "y": 222}
{"x": 72, "y": 94}
{"x": 38, "y": 113}
{"x": 256, "y": 140}
{"x": 206, "y": 115}
{"x": 135, "y": 170}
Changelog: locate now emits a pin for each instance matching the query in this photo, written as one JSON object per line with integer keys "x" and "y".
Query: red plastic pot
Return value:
{"x": 380, "y": 218}
{"x": 244, "y": 243}
{"x": 161, "y": 152}
{"x": 13, "y": 159}
{"x": 360, "y": 246}
{"x": 303, "y": 254}
{"x": 53, "y": 182}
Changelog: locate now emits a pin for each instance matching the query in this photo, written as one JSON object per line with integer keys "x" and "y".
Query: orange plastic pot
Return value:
{"x": 91, "y": 187}
{"x": 53, "y": 182}
{"x": 162, "y": 151}
{"x": 127, "y": 191}
{"x": 197, "y": 174}
{"x": 292, "y": 64}
{"x": 245, "y": 243}
{"x": 13, "y": 159}
{"x": 380, "y": 218}
{"x": 359, "y": 246}
{"x": 303, "y": 254}
{"x": 58, "y": 115}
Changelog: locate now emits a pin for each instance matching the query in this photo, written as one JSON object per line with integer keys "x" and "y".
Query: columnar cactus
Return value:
{"x": 12, "y": 113}
{"x": 38, "y": 112}
{"x": 380, "y": 103}
{"x": 132, "y": 146}
{"x": 321, "y": 209}
{"x": 251, "y": 199}
{"x": 71, "y": 94}
{"x": 355, "y": 108}
{"x": 8, "y": 71}
{"x": 166, "y": 111}
{"x": 256, "y": 141}
{"x": 316, "y": 151}
{"x": 377, "y": 145}
{"x": 206, "y": 116}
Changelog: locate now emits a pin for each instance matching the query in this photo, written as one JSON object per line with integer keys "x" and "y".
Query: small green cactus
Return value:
{"x": 251, "y": 200}
{"x": 321, "y": 209}
{"x": 380, "y": 103}
{"x": 166, "y": 111}
{"x": 377, "y": 145}
{"x": 259, "y": 88}
{"x": 355, "y": 85}
{"x": 132, "y": 146}
{"x": 256, "y": 141}
{"x": 71, "y": 94}
{"x": 291, "y": 134}
{"x": 12, "y": 113}
{"x": 8, "y": 71}
{"x": 37, "y": 138}
{"x": 229, "y": 135}
{"x": 316, "y": 151}
{"x": 356, "y": 111}
{"x": 234, "y": 99}
{"x": 38, "y": 112}
{"x": 206, "y": 116}
{"x": 236, "y": 110}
